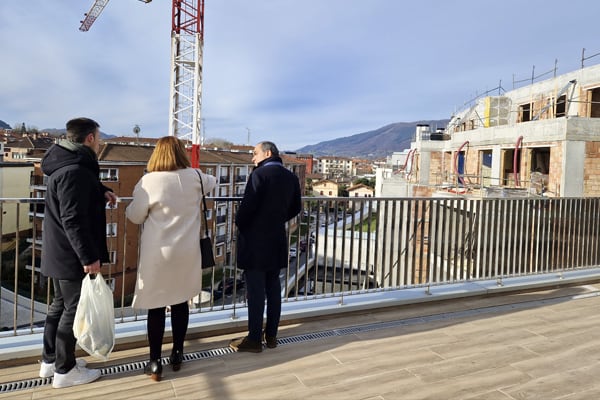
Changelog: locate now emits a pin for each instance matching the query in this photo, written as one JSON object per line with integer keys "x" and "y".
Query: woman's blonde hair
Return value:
{"x": 169, "y": 155}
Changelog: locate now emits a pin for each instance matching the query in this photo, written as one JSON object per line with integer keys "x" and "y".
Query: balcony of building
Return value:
{"x": 392, "y": 299}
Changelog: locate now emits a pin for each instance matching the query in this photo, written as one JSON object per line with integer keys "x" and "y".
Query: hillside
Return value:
{"x": 55, "y": 131}
{"x": 59, "y": 132}
{"x": 373, "y": 144}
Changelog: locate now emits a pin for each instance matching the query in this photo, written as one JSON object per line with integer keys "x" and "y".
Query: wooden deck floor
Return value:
{"x": 536, "y": 345}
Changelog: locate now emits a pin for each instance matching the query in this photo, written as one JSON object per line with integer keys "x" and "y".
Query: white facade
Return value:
{"x": 333, "y": 166}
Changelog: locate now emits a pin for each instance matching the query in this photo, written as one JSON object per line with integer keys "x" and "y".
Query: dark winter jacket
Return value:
{"x": 75, "y": 212}
{"x": 271, "y": 197}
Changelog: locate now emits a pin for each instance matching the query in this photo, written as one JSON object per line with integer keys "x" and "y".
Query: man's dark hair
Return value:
{"x": 79, "y": 128}
{"x": 266, "y": 146}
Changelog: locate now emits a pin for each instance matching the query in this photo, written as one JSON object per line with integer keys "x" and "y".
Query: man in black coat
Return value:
{"x": 271, "y": 198}
{"x": 74, "y": 243}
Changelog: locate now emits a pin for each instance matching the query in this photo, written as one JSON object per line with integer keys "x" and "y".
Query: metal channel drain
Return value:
{"x": 218, "y": 352}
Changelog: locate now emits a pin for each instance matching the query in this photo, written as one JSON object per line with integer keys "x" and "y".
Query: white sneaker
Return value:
{"x": 77, "y": 376}
{"x": 47, "y": 369}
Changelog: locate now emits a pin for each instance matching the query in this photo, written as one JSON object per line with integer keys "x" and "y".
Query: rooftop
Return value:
{"x": 495, "y": 343}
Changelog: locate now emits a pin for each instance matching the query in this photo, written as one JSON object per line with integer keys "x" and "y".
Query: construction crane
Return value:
{"x": 187, "y": 43}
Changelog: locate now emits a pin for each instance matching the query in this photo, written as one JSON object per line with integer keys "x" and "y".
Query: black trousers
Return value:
{"x": 59, "y": 341}
{"x": 261, "y": 285}
{"x": 180, "y": 315}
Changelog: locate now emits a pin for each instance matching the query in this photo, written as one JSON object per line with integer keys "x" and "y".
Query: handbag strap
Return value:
{"x": 203, "y": 204}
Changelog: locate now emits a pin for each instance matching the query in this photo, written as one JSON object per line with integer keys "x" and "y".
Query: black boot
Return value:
{"x": 176, "y": 359}
{"x": 154, "y": 369}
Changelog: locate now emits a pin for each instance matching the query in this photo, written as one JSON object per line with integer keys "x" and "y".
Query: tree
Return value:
{"x": 220, "y": 143}
{"x": 370, "y": 182}
{"x": 343, "y": 190}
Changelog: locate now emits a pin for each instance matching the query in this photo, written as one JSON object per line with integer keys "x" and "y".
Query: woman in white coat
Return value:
{"x": 167, "y": 201}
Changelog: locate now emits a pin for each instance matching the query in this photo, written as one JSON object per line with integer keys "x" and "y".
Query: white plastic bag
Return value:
{"x": 94, "y": 325}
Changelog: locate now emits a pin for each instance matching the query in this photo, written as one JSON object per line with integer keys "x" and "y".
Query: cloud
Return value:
{"x": 293, "y": 72}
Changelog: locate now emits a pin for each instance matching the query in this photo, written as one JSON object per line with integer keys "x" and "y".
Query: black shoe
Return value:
{"x": 154, "y": 369}
{"x": 246, "y": 345}
{"x": 271, "y": 341}
{"x": 176, "y": 359}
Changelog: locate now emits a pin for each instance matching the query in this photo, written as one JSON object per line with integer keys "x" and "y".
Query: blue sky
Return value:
{"x": 294, "y": 72}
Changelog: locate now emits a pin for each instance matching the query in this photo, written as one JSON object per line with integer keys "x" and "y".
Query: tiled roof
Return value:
{"x": 132, "y": 140}
{"x": 123, "y": 152}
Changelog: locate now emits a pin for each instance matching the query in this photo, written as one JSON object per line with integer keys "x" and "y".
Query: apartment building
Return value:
{"x": 542, "y": 139}
{"x": 27, "y": 146}
{"x": 12, "y": 176}
{"x": 333, "y": 167}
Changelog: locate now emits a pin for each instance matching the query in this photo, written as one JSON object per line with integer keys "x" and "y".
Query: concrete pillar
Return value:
{"x": 572, "y": 168}
{"x": 496, "y": 165}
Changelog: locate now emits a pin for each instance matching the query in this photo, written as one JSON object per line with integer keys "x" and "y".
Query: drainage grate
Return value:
{"x": 218, "y": 352}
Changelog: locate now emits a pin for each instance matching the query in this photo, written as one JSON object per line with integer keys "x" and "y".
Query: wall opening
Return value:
{"x": 595, "y": 103}
{"x": 561, "y": 106}
{"x": 509, "y": 167}
{"x": 540, "y": 167}
{"x": 486, "y": 167}
{"x": 525, "y": 112}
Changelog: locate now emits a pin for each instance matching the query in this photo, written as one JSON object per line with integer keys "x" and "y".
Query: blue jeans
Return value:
{"x": 59, "y": 341}
{"x": 261, "y": 285}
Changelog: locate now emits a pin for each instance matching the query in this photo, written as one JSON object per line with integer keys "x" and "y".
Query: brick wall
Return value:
{"x": 591, "y": 168}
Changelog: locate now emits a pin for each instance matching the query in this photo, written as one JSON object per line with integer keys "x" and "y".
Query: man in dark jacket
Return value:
{"x": 74, "y": 243}
{"x": 271, "y": 198}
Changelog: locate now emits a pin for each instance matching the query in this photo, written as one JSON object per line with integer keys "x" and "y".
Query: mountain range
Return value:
{"x": 378, "y": 143}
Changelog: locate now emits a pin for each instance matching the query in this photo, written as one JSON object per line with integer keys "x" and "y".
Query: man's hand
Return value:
{"x": 110, "y": 197}
{"x": 92, "y": 268}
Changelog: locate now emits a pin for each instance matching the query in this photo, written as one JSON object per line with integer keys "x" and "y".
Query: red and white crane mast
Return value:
{"x": 187, "y": 42}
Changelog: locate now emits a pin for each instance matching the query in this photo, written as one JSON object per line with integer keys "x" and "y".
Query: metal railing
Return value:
{"x": 339, "y": 247}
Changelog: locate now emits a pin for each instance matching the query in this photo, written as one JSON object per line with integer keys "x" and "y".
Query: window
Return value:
{"x": 109, "y": 174}
{"x": 111, "y": 229}
{"x": 561, "y": 106}
{"x": 112, "y": 206}
{"x": 112, "y": 256}
{"x": 111, "y": 284}
{"x": 219, "y": 251}
{"x": 594, "y": 103}
{"x": 525, "y": 112}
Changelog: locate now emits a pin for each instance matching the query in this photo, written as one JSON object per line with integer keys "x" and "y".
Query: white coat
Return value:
{"x": 168, "y": 204}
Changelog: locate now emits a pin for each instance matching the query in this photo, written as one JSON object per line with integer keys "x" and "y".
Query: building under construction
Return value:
{"x": 542, "y": 139}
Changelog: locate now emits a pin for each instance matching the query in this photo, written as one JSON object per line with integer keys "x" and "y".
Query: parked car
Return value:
{"x": 293, "y": 252}
{"x": 303, "y": 245}
{"x": 225, "y": 288}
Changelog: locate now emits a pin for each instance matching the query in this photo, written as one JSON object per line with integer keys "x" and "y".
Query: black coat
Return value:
{"x": 271, "y": 198}
{"x": 75, "y": 213}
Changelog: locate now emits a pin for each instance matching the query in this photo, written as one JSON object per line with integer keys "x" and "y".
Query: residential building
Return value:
{"x": 362, "y": 167}
{"x": 325, "y": 188}
{"x": 538, "y": 140}
{"x": 26, "y": 147}
{"x": 360, "y": 190}
{"x": 12, "y": 176}
{"x": 307, "y": 159}
{"x": 333, "y": 167}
